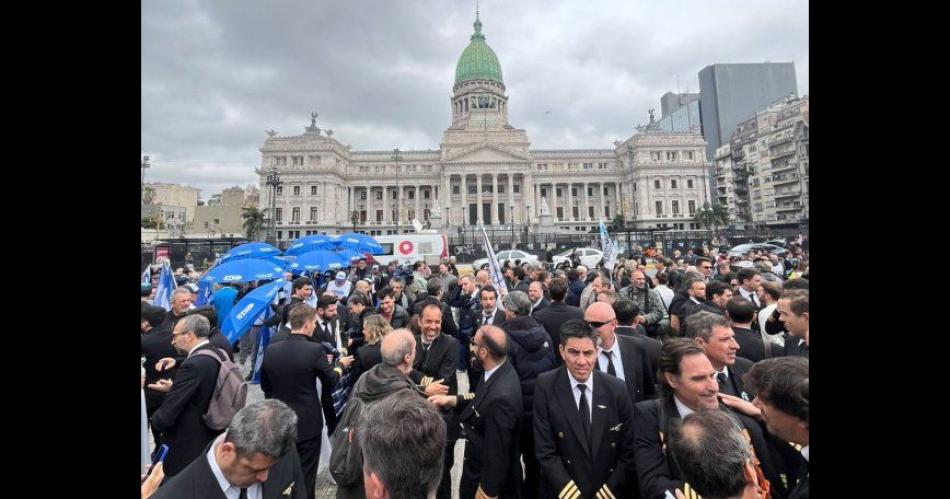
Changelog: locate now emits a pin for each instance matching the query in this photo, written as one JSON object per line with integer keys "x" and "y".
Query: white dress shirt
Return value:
{"x": 230, "y": 491}
{"x": 618, "y": 361}
{"x": 681, "y": 408}
{"x": 749, "y": 295}
{"x": 488, "y": 319}
{"x": 577, "y": 393}
{"x": 492, "y": 371}
{"x": 202, "y": 342}
{"x": 805, "y": 452}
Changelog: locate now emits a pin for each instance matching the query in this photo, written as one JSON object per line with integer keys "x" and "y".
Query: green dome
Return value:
{"x": 478, "y": 61}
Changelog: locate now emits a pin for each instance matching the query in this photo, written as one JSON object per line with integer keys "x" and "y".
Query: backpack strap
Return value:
{"x": 213, "y": 353}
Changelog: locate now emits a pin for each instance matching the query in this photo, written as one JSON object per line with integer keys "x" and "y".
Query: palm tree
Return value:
{"x": 253, "y": 221}
{"x": 713, "y": 216}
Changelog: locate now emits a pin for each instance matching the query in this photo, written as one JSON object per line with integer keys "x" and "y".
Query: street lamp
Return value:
{"x": 273, "y": 180}
{"x": 144, "y": 166}
{"x": 397, "y": 204}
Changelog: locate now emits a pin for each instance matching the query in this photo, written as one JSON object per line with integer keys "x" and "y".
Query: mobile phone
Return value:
{"x": 159, "y": 457}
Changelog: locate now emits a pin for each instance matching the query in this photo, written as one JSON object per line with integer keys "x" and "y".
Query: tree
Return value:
{"x": 712, "y": 216}
{"x": 151, "y": 222}
{"x": 253, "y": 221}
{"x": 148, "y": 195}
{"x": 618, "y": 222}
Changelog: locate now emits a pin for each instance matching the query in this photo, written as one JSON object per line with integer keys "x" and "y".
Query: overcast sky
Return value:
{"x": 217, "y": 74}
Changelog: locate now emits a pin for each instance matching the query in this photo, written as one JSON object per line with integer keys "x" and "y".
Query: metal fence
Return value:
{"x": 203, "y": 251}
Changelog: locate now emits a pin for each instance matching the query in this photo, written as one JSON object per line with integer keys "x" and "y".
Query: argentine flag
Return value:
{"x": 494, "y": 269}
{"x": 607, "y": 246}
{"x": 166, "y": 284}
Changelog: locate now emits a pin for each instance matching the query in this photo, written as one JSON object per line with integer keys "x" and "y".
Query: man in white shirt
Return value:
{"x": 622, "y": 356}
{"x": 255, "y": 453}
{"x": 749, "y": 280}
{"x": 340, "y": 287}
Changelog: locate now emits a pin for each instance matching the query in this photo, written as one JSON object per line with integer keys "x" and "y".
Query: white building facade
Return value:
{"x": 484, "y": 171}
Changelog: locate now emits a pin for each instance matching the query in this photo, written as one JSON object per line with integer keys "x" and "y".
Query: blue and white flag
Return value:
{"x": 494, "y": 269}
{"x": 607, "y": 246}
{"x": 205, "y": 290}
{"x": 147, "y": 275}
{"x": 166, "y": 285}
{"x": 263, "y": 339}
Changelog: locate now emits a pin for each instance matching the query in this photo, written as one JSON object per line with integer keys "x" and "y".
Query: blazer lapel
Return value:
{"x": 565, "y": 396}
{"x": 483, "y": 389}
{"x": 600, "y": 409}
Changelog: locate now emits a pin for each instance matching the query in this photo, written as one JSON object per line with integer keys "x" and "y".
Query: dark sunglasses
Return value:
{"x": 595, "y": 324}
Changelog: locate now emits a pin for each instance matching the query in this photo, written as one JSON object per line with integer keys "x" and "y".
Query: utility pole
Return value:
{"x": 273, "y": 180}
{"x": 144, "y": 166}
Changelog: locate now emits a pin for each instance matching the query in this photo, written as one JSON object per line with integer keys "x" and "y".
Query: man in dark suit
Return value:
{"x": 718, "y": 294}
{"x": 781, "y": 389}
{"x": 289, "y": 373}
{"x": 715, "y": 336}
{"x": 627, "y": 312}
{"x": 583, "y": 424}
{"x": 156, "y": 345}
{"x": 434, "y": 369}
{"x": 741, "y": 313}
{"x": 179, "y": 419}
{"x": 434, "y": 296}
{"x": 254, "y": 458}
{"x": 491, "y": 419}
{"x": 622, "y": 356}
{"x": 536, "y": 293}
{"x": 793, "y": 311}
{"x": 557, "y": 313}
{"x": 489, "y": 313}
{"x": 687, "y": 383}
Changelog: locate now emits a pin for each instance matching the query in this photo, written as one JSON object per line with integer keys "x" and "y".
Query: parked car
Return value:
{"x": 742, "y": 249}
{"x": 588, "y": 256}
{"x": 507, "y": 255}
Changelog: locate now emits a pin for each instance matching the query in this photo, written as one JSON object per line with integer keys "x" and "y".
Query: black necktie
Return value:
{"x": 724, "y": 385}
{"x": 243, "y": 494}
{"x": 584, "y": 411}
{"x": 610, "y": 362}
{"x": 487, "y": 319}
{"x": 754, "y": 301}
{"x": 326, "y": 330}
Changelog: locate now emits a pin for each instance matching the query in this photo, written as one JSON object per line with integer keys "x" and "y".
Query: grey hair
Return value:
{"x": 181, "y": 291}
{"x": 701, "y": 324}
{"x": 393, "y": 355}
{"x": 711, "y": 453}
{"x": 518, "y": 302}
{"x": 268, "y": 427}
{"x": 197, "y": 323}
{"x": 398, "y": 279}
{"x": 408, "y": 456}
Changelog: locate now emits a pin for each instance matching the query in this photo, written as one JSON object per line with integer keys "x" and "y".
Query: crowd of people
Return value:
{"x": 688, "y": 381}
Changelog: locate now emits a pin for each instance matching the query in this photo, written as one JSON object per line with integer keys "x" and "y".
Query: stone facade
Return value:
{"x": 184, "y": 196}
{"x": 483, "y": 172}
{"x": 225, "y": 216}
{"x": 762, "y": 174}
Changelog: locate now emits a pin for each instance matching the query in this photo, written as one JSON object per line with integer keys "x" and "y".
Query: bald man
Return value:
{"x": 491, "y": 418}
{"x": 622, "y": 356}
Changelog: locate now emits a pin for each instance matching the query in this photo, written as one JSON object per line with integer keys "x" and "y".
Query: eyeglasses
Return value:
{"x": 707, "y": 266}
{"x": 595, "y": 324}
{"x": 179, "y": 334}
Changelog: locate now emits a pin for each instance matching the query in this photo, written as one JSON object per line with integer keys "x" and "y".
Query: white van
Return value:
{"x": 430, "y": 248}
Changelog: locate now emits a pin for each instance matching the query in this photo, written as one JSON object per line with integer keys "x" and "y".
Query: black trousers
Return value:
{"x": 532, "y": 467}
{"x": 309, "y": 451}
{"x": 448, "y": 460}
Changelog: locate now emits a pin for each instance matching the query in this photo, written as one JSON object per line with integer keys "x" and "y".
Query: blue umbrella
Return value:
{"x": 319, "y": 260}
{"x": 309, "y": 243}
{"x": 359, "y": 242}
{"x": 244, "y": 312}
{"x": 250, "y": 250}
{"x": 243, "y": 270}
{"x": 350, "y": 255}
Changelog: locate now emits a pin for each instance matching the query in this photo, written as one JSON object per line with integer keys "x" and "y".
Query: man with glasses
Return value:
{"x": 705, "y": 266}
{"x": 583, "y": 424}
{"x": 625, "y": 357}
{"x": 179, "y": 419}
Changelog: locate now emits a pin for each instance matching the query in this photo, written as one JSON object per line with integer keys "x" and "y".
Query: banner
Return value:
{"x": 166, "y": 285}
{"x": 494, "y": 269}
{"x": 607, "y": 246}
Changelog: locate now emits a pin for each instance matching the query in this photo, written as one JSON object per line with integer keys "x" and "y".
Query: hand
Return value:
{"x": 330, "y": 359}
{"x": 747, "y": 408}
{"x": 641, "y": 319}
{"x": 347, "y": 361}
{"x": 150, "y": 485}
{"x": 442, "y": 400}
{"x": 164, "y": 364}
{"x": 436, "y": 388}
{"x": 163, "y": 385}
{"x": 679, "y": 494}
{"x": 349, "y": 342}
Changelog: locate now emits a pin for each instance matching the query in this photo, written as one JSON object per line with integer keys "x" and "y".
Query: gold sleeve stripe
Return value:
{"x": 600, "y": 495}
{"x": 575, "y": 494}
{"x": 567, "y": 490}
{"x": 338, "y": 371}
{"x": 607, "y": 493}
{"x": 468, "y": 396}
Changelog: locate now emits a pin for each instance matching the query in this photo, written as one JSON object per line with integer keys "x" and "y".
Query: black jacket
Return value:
{"x": 541, "y": 306}
{"x": 469, "y": 307}
{"x": 156, "y": 345}
{"x": 289, "y": 373}
{"x": 439, "y": 362}
{"x": 552, "y": 317}
{"x": 639, "y": 378}
{"x": 492, "y": 422}
{"x": 736, "y": 371}
{"x": 400, "y": 316}
{"x": 656, "y": 470}
{"x": 179, "y": 419}
{"x": 568, "y": 462}
{"x": 795, "y": 346}
{"x": 367, "y": 356}
{"x": 530, "y": 352}
{"x": 750, "y": 343}
{"x": 652, "y": 345}
{"x": 197, "y": 481}
{"x": 574, "y": 290}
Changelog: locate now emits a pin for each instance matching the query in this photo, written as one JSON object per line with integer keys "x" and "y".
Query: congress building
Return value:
{"x": 484, "y": 171}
